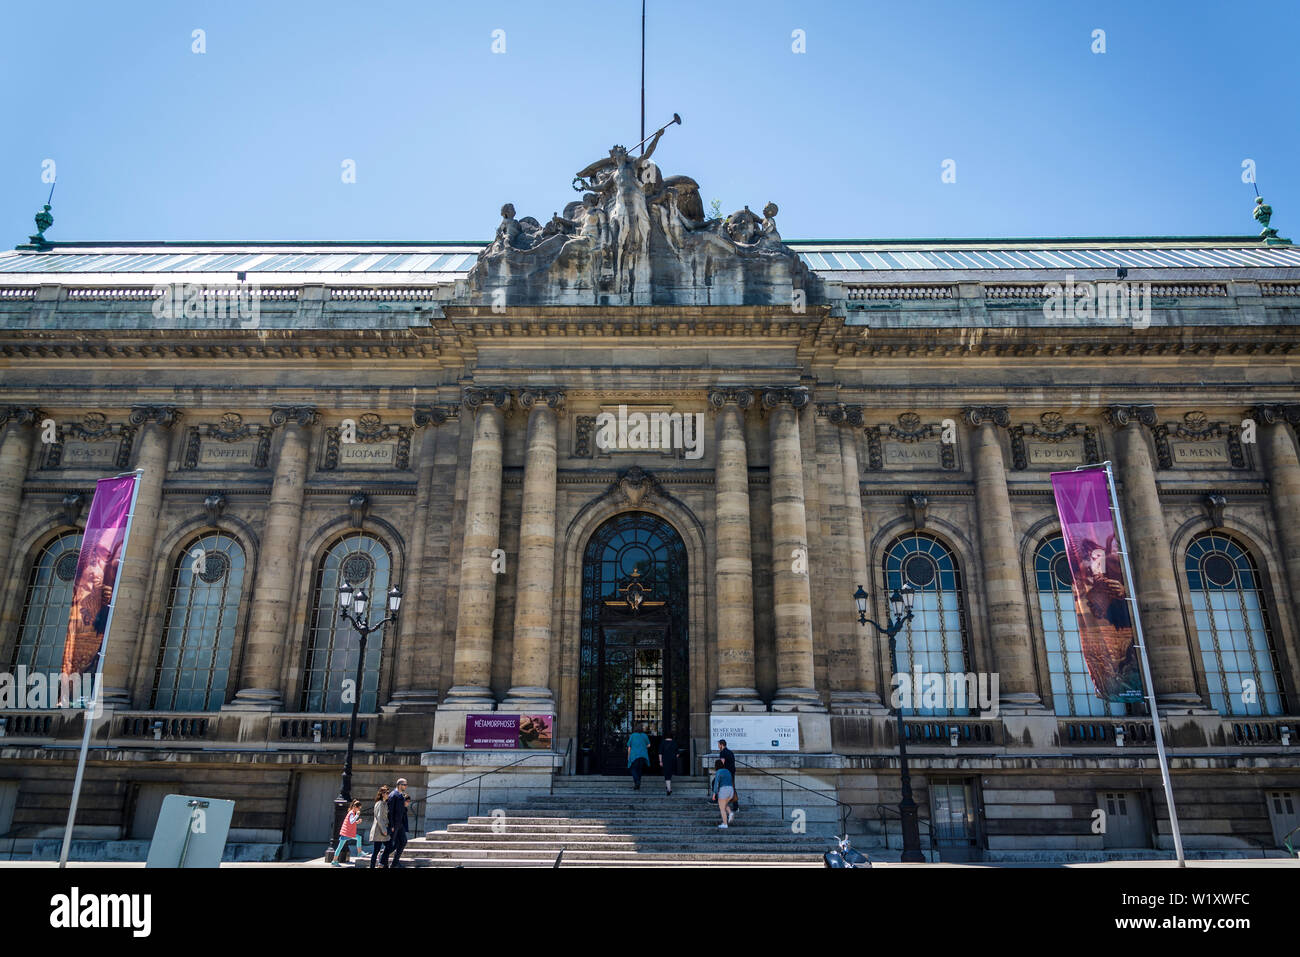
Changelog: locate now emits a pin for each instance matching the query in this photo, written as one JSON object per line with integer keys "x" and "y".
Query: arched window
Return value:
{"x": 44, "y": 623}
{"x": 202, "y": 613}
{"x": 1073, "y": 692}
{"x": 333, "y": 645}
{"x": 1241, "y": 669}
{"x": 935, "y": 640}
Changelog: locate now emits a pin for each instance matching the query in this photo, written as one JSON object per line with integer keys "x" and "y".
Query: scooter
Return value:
{"x": 844, "y": 855}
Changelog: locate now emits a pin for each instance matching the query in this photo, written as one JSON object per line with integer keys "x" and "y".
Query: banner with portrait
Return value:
{"x": 1102, "y": 592}
{"x": 102, "y": 545}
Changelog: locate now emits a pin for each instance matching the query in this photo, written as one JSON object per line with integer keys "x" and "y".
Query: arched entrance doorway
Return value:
{"x": 633, "y": 664}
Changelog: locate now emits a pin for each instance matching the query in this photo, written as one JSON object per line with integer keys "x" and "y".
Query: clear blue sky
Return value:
{"x": 246, "y": 141}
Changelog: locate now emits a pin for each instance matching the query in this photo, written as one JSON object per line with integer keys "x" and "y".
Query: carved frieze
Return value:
{"x": 1053, "y": 443}
{"x": 1197, "y": 441}
{"x": 909, "y": 445}
{"x": 230, "y": 443}
{"x": 92, "y": 443}
{"x": 366, "y": 443}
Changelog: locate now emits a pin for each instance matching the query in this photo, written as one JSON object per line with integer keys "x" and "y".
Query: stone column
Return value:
{"x": 866, "y": 686}
{"x": 472, "y": 668}
{"x": 1156, "y": 585}
{"x": 530, "y": 678}
{"x": 792, "y": 604}
{"x": 277, "y": 569}
{"x": 734, "y": 565}
{"x": 18, "y": 426}
{"x": 414, "y": 686}
{"x": 1004, "y": 592}
{"x": 1283, "y": 469}
{"x": 131, "y": 593}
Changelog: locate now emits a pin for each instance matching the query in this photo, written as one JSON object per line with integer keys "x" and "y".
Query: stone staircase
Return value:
{"x": 601, "y": 822}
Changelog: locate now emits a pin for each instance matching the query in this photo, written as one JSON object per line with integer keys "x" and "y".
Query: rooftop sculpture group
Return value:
{"x": 637, "y": 237}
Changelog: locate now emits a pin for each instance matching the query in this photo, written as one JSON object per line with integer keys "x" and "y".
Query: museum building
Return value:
{"x": 631, "y": 466}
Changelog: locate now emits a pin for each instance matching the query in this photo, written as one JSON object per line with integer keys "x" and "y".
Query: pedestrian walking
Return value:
{"x": 379, "y": 830}
{"x": 729, "y": 762}
{"x": 397, "y": 824}
{"x": 668, "y": 760}
{"x": 721, "y": 790}
{"x": 638, "y": 755}
{"x": 348, "y": 833}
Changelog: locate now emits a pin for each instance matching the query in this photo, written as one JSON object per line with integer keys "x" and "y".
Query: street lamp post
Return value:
{"x": 900, "y": 604}
{"x": 353, "y": 608}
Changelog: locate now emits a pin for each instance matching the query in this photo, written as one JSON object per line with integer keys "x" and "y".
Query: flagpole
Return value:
{"x": 94, "y": 704}
{"x": 1146, "y": 669}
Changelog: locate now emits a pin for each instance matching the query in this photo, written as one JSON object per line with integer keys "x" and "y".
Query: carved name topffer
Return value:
{"x": 551, "y": 398}
{"x": 741, "y": 397}
{"x": 472, "y": 398}
{"x": 797, "y": 397}
{"x": 300, "y": 415}
{"x": 1053, "y": 428}
{"x": 977, "y": 415}
{"x": 230, "y": 430}
{"x": 850, "y": 415}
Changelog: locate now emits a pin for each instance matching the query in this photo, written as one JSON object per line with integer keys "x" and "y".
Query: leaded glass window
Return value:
{"x": 48, "y": 602}
{"x": 1232, "y": 631}
{"x": 333, "y": 645}
{"x": 202, "y": 614}
{"x": 1073, "y": 692}
{"x": 935, "y": 639}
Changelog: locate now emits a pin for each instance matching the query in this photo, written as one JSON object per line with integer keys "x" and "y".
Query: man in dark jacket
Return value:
{"x": 397, "y": 825}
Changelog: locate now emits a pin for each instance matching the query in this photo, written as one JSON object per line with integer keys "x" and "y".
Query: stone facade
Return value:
{"x": 938, "y": 408}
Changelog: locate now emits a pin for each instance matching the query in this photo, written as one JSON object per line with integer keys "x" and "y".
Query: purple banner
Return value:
{"x": 1101, "y": 590}
{"x": 97, "y": 568}
{"x": 508, "y": 731}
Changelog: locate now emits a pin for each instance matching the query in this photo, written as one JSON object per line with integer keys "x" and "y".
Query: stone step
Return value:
{"x": 600, "y": 829}
{"x": 579, "y": 862}
{"x": 600, "y": 855}
{"x": 780, "y": 841}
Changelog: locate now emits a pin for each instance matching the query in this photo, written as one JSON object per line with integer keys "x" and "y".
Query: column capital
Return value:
{"x": 435, "y": 415}
{"x": 1274, "y": 414}
{"x": 541, "y": 398}
{"x": 165, "y": 415}
{"x": 838, "y": 414}
{"x": 472, "y": 398}
{"x": 302, "y": 415}
{"x": 741, "y": 397}
{"x": 796, "y": 396}
{"x": 20, "y": 414}
{"x": 1121, "y": 415}
{"x": 977, "y": 415}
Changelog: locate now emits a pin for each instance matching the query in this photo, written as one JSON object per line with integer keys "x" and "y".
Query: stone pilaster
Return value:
{"x": 472, "y": 668}
{"x": 18, "y": 427}
{"x": 863, "y": 692}
{"x": 277, "y": 568}
{"x": 1278, "y": 446}
{"x": 415, "y": 681}
{"x": 136, "y": 571}
{"x": 792, "y": 600}
{"x": 530, "y": 678}
{"x": 1155, "y": 586}
{"x": 733, "y": 566}
{"x": 1004, "y": 594}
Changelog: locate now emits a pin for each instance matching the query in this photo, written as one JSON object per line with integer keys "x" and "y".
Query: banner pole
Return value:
{"x": 94, "y": 704}
{"x": 1146, "y": 670}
